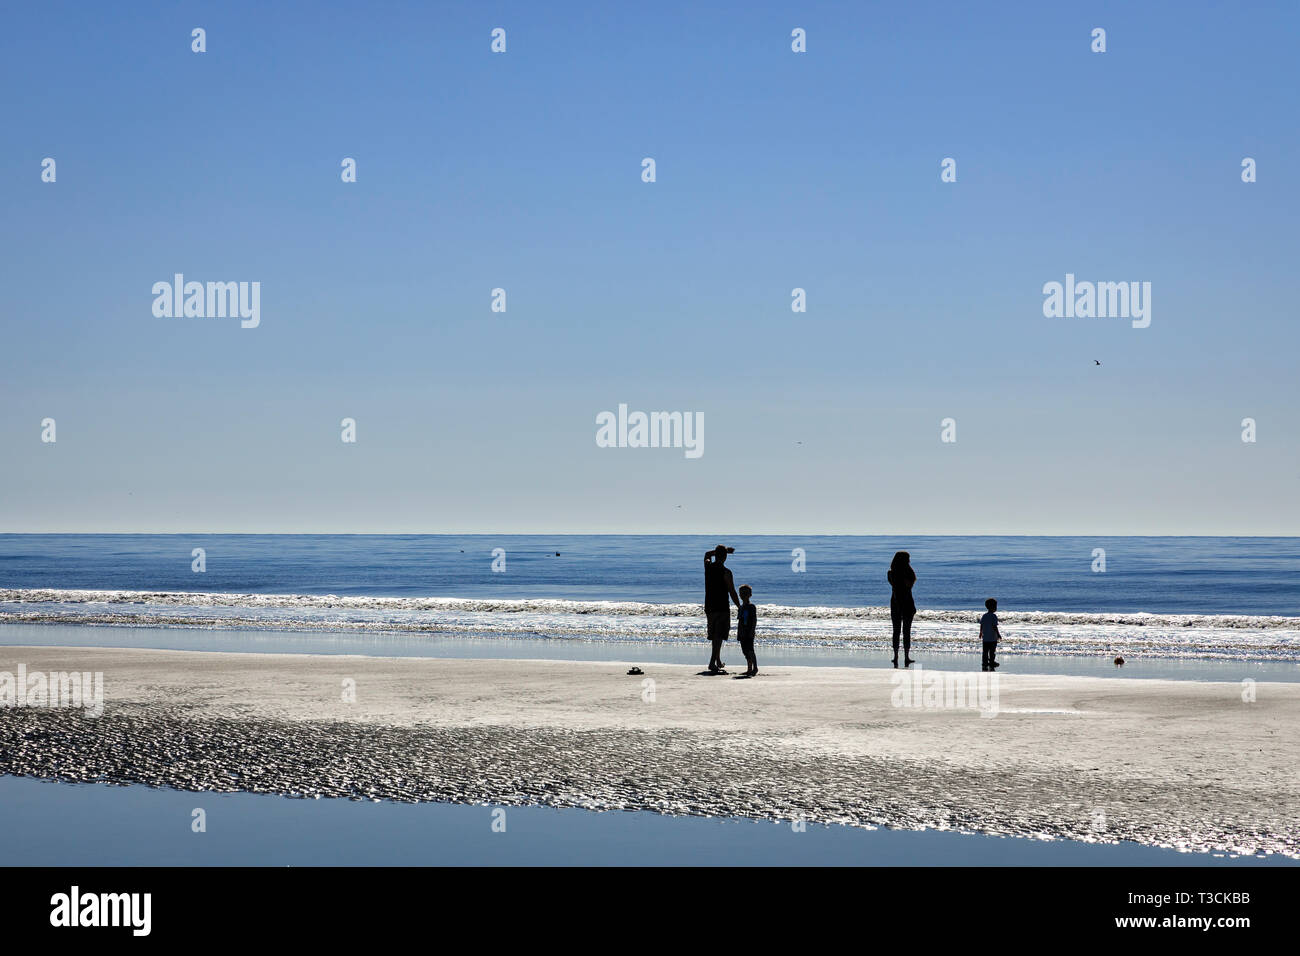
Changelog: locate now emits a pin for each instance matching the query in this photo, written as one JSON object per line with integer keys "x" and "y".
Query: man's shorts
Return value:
{"x": 719, "y": 624}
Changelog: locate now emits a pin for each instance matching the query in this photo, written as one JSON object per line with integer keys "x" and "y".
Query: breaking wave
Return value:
{"x": 1047, "y": 632}
{"x": 334, "y": 602}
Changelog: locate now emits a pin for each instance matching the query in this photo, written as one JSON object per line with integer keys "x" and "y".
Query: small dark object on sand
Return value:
{"x": 636, "y": 670}
{"x": 1119, "y": 662}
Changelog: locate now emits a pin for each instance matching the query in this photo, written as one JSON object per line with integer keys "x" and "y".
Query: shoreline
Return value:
{"x": 1228, "y": 638}
{"x": 495, "y": 645}
{"x": 1181, "y": 764}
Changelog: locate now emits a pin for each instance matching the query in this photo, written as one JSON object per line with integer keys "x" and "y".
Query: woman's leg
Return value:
{"x": 897, "y": 618}
{"x": 907, "y": 636}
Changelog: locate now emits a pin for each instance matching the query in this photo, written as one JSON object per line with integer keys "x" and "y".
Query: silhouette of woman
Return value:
{"x": 901, "y": 606}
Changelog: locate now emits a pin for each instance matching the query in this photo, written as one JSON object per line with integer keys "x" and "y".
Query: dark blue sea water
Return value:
{"x": 1202, "y": 598}
{"x": 1239, "y": 576}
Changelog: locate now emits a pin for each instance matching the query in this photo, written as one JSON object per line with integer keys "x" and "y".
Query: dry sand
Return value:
{"x": 1171, "y": 763}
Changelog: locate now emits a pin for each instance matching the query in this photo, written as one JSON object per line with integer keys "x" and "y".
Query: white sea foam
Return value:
{"x": 200, "y": 599}
{"x": 1048, "y": 632}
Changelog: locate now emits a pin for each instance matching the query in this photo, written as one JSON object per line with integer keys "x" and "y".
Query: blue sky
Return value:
{"x": 775, "y": 170}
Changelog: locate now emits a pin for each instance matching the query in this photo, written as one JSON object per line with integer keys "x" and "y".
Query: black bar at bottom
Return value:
{"x": 333, "y": 905}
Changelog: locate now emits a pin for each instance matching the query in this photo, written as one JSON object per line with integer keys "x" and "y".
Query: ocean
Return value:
{"x": 1172, "y": 597}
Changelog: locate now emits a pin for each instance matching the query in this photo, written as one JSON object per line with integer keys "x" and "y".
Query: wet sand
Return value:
{"x": 1183, "y": 764}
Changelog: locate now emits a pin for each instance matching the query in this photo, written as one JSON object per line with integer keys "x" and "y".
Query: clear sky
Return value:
{"x": 775, "y": 170}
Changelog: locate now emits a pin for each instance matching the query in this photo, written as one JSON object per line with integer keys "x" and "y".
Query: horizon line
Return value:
{"x": 664, "y": 534}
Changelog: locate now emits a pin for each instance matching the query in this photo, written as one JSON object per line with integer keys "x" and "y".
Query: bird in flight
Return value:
{"x": 1098, "y": 363}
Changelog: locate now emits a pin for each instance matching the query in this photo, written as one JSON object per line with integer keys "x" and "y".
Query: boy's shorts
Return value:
{"x": 719, "y": 624}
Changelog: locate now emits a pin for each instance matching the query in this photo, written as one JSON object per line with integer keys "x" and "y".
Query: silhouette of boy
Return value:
{"x": 746, "y": 622}
{"x": 989, "y": 635}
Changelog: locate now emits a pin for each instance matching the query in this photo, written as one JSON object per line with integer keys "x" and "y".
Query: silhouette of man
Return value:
{"x": 718, "y": 587}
